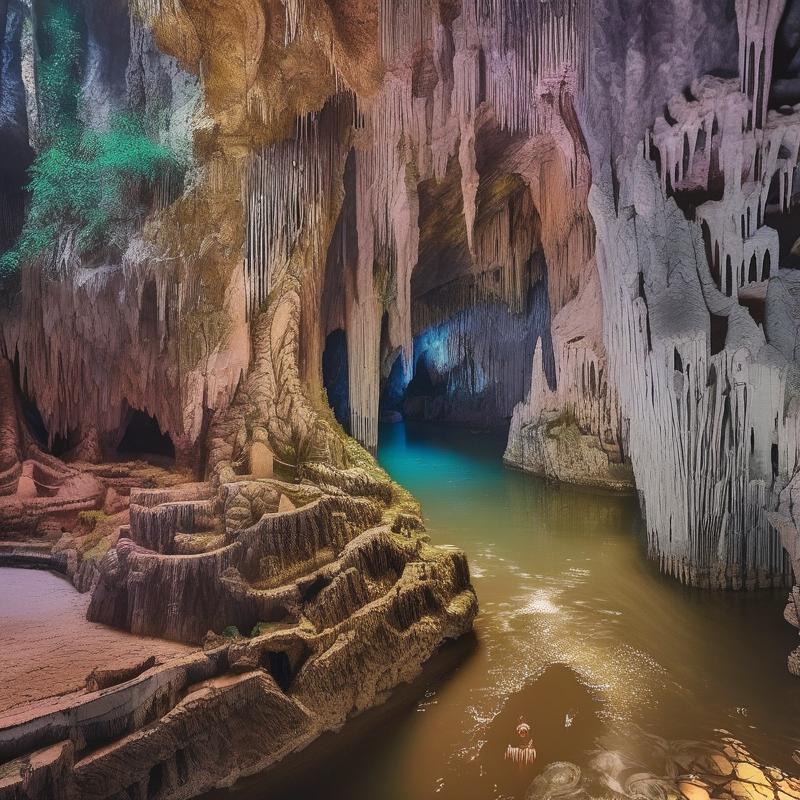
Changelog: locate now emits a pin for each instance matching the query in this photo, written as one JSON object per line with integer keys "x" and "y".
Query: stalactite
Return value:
{"x": 526, "y": 44}
{"x": 363, "y": 318}
{"x": 758, "y": 23}
{"x": 294, "y": 17}
{"x": 539, "y": 41}
{"x": 363, "y": 359}
{"x": 748, "y": 161}
{"x": 507, "y": 241}
{"x": 283, "y": 187}
{"x": 404, "y": 26}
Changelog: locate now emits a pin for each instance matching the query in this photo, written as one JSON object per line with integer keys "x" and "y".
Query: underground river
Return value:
{"x": 579, "y": 636}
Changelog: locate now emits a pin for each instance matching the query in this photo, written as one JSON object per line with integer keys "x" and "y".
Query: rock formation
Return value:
{"x": 196, "y": 323}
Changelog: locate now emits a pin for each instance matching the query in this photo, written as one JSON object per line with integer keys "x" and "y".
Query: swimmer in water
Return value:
{"x": 526, "y": 755}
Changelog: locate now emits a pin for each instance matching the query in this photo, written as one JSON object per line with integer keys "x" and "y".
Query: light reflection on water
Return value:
{"x": 574, "y": 621}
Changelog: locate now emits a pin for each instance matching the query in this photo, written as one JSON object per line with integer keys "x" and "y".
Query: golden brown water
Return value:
{"x": 608, "y": 661}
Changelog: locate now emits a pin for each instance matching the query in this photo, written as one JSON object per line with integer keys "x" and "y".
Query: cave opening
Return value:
{"x": 284, "y": 665}
{"x": 62, "y": 442}
{"x": 785, "y": 90}
{"x": 421, "y": 384}
{"x": 393, "y": 391}
{"x": 787, "y": 224}
{"x": 143, "y": 438}
{"x": 155, "y": 780}
{"x": 424, "y": 398}
{"x": 335, "y": 376}
{"x": 279, "y": 667}
{"x": 480, "y": 300}
{"x": 31, "y": 416}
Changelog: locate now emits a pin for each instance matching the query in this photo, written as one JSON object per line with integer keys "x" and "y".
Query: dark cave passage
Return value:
{"x": 335, "y": 377}
{"x": 279, "y": 667}
{"x": 475, "y": 366}
{"x": 31, "y": 415}
{"x": 422, "y": 382}
{"x": 786, "y": 59}
{"x": 143, "y": 438}
{"x": 788, "y": 227}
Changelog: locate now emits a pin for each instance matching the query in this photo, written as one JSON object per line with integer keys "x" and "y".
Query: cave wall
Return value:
{"x": 15, "y": 29}
{"x": 274, "y": 539}
{"x": 686, "y": 265}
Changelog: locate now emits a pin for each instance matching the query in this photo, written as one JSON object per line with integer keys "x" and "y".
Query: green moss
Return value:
{"x": 97, "y": 552}
{"x": 260, "y": 628}
{"x": 82, "y": 180}
{"x": 92, "y": 516}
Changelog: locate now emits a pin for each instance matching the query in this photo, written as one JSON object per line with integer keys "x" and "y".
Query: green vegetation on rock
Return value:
{"x": 82, "y": 179}
{"x": 92, "y": 518}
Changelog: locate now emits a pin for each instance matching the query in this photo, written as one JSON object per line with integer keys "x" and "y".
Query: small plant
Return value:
{"x": 231, "y": 632}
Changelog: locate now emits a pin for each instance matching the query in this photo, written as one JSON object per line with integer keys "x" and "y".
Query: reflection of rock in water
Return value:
{"x": 564, "y": 725}
{"x": 688, "y": 770}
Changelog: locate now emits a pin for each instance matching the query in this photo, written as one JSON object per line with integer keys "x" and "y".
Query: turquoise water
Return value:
{"x": 578, "y": 635}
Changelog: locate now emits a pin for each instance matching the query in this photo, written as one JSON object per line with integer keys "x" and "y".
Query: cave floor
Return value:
{"x": 49, "y": 647}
